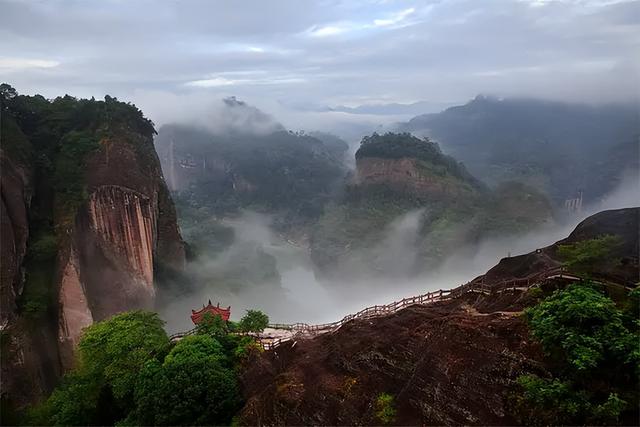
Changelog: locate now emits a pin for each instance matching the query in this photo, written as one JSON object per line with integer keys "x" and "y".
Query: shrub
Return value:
{"x": 44, "y": 247}
{"x": 253, "y": 321}
{"x": 384, "y": 408}
{"x": 591, "y": 255}
{"x": 594, "y": 350}
{"x": 193, "y": 386}
{"x": 100, "y": 389}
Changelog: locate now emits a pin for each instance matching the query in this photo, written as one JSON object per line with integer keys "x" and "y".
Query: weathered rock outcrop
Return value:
{"x": 127, "y": 226}
{"x": 109, "y": 249}
{"x": 408, "y": 175}
{"x": 16, "y": 196}
{"x": 445, "y": 364}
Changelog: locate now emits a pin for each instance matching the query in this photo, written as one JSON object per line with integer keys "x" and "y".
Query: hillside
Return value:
{"x": 408, "y": 206}
{"x": 87, "y": 222}
{"x": 553, "y": 146}
{"x": 453, "y": 362}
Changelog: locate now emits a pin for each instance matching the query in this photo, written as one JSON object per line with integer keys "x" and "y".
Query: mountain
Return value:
{"x": 459, "y": 361}
{"x": 408, "y": 206}
{"x": 217, "y": 172}
{"x": 557, "y": 147}
{"x": 392, "y": 108}
{"x": 87, "y": 225}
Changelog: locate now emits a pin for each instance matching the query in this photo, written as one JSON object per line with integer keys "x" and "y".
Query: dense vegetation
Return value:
{"x": 404, "y": 145}
{"x": 130, "y": 374}
{"x": 552, "y": 146}
{"x": 292, "y": 174}
{"x": 593, "y": 349}
{"x": 452, "y": 211}
{"x": 587, "y": 257}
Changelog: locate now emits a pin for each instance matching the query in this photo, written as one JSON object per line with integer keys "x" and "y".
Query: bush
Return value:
{"x": 111, "y": 353}
{"x": 591, "y": 255}
{"x": 253, "y": 321}
{"x": 212, "y": 325}
{"x": 384, "y": 407}
{"x": 44, "y": 248}
{"x": 594, "y": 353}
{"x": 193, "y": 386}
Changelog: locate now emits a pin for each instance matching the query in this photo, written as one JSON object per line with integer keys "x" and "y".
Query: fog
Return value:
{"x": 298, "y": 295}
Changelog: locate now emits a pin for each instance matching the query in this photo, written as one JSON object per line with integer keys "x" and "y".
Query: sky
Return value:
{"x": 295, "y": 56}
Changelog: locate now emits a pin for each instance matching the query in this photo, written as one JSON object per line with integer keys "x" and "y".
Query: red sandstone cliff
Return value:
{"x": 106, "y": 262}
{"x": 408, "y": 174}
{"x": 127, "y": 225}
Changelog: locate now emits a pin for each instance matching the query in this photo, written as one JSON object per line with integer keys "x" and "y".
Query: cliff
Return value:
{"x": 127, "y": 225}
{"x": 407, "y": 195}
{"x": 452, "y": 362}
{"x": 408, "y": 175}
{"x": 87, "y": 221}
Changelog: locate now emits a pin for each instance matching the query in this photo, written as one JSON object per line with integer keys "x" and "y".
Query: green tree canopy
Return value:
{"x": 253, "y": 321}
{"x": 193, "y": 386}
{"x": 100, "y": 390}
{"x": 594, "y": 350}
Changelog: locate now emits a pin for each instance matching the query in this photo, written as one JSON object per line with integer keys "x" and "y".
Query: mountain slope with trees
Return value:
{"x": 553, "y": 146}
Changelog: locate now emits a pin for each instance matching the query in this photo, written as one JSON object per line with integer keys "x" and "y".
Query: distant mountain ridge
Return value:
{"x": 557, "y": 147}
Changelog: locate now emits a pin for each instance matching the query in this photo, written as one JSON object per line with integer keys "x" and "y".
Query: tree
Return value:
{"x": 253, "y": 321}
{"x": 111, "y": 353}
{"x": 193, "y": 386}
{"x": 212, "y": 325}
{"x": 594, "y": 351}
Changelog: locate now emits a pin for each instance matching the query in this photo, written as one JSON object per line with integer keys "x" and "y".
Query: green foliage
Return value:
{"x": 212, "y": 325}
{"x": 581, "y": 326}
{"x": 44, "y": 248}
{"x": 253, "y": 321}
{"x": 401, "y": 145}
{"x": 594, "y": 349}
{"x": 588, "y": 256}
{"x": 38, "y": 296}
{"x": 100, "y": 389}
{"x": 69, "y": 178}
{"x": 193, "y": 386}
{"x": 128, "y": 374}
{"x": 384, "y": 408}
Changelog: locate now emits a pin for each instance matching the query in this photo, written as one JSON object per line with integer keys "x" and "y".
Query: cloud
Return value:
{"x": 326, "y": 31}
{"x": 395, "y": 19}
{"x": 329, "y": 52}
{"x": 19, "y": 64}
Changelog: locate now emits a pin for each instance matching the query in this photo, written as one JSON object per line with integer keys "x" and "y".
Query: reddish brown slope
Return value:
{"x": 446, "y": 363}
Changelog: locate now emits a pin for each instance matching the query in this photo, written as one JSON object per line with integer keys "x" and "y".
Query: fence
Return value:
{"x": 474, "y": 286}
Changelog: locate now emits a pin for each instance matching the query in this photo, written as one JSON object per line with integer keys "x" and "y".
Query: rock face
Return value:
{"x": 406, "y": 174}
{"x": 107, "y": 259}
{"x": 16, "y": 197}
{"x": 127, "y": 225}
{"x": 445, "y": 364}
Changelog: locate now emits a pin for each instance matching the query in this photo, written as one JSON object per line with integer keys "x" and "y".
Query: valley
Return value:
{"x": 112, "y": 233}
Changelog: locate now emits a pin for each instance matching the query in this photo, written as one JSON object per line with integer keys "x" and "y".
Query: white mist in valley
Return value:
{"x": 300, "y": 296}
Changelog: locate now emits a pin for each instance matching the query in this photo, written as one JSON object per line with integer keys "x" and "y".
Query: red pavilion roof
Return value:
{"x": 196, "y": 316}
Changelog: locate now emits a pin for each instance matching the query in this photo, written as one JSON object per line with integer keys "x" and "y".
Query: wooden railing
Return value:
{"x": 476, "y": 285}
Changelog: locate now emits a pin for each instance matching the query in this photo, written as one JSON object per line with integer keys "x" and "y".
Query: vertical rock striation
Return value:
{"x": 126, "y": 229}
{"x": 108, "y": 255}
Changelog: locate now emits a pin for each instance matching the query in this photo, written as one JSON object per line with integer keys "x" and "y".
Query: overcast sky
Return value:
{"x": 303, "y": 54}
